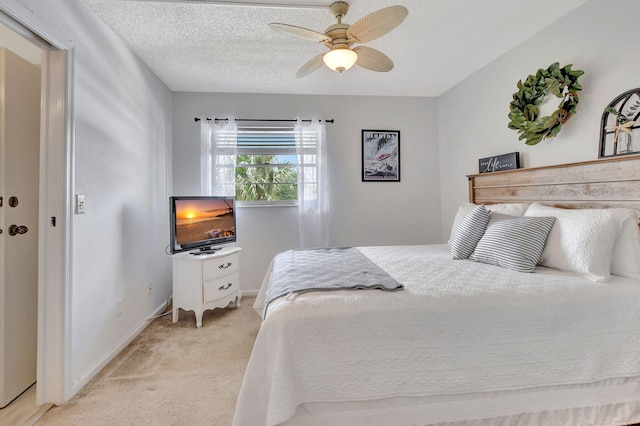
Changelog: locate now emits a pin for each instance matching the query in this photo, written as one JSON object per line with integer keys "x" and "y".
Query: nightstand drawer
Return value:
{"x": 216, "y": 268}
{"x": 215, "y": 289}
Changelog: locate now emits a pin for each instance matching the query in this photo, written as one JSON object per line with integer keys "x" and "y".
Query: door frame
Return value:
{"x": 55, "y": 198}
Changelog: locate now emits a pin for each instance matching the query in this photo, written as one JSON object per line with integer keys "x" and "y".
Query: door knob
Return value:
{"x": 15, "y": 230}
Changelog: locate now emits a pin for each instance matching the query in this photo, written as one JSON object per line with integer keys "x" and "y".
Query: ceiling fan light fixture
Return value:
{"x": 340, "y": 59}
{"x": 339, "y": 38}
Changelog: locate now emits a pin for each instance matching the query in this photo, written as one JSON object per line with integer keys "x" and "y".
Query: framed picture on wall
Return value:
{"x": 381, "y": 156}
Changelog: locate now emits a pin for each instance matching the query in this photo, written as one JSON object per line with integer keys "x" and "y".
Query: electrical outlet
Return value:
{"x": 150, "y": 289}
{"x": 120, "y": 307}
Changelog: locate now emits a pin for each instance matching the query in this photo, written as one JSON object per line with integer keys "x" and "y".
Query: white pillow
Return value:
{"x": 512, "y": 209}
{"x": 581, "y": 240}
{"x": 625, "y": 260}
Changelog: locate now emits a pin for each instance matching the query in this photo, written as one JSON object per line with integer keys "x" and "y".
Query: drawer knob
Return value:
{"x": 225, "y": 286}
{"x": 224, "y": 265}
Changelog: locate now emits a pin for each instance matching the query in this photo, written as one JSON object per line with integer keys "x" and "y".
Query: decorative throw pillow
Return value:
{"x": 581, "y": 239}
{"x": 468, "y": 232}
{"x": 513, "y": 242}
{"x": 513, "y": 209}
{"x": 495, "y": 217}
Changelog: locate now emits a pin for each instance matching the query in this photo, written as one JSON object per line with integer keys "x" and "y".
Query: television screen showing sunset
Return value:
{"x": 198, "y": 220}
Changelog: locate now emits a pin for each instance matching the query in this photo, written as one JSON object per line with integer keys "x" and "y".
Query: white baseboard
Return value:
{"x": 250, "y": 292}
{"x": 90, "y": 373}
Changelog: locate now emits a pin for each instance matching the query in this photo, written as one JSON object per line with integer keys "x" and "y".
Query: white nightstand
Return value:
{"x": 207, "y": 281}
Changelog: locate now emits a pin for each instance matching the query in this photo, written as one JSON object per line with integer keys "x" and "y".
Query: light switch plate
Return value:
{"x": 79, "y": 203}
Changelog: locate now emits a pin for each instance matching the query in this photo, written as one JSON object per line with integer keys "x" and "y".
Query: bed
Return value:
{"x": 466, "y": 342}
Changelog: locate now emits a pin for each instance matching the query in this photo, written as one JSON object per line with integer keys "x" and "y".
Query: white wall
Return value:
{"x": 122, "y": 117}
{"x": 362, "y": 213}
{"x": 472, "y": 117}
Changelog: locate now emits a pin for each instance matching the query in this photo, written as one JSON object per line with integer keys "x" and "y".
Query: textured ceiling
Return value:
{"x": 210, "y": 46}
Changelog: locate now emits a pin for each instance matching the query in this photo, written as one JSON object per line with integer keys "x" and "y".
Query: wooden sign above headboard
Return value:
{"x": 610, "y": 182}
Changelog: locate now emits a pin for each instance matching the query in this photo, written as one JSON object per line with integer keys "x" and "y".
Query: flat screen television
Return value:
{"x": 202, "y": 224}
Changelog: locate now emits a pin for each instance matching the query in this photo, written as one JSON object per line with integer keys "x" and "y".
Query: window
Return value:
{"x": 263, "y": 163}
{"x": 266, "y": 165}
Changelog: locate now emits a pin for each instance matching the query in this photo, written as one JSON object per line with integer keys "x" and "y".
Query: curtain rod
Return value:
{"x": 257, "y": 4}
{"x": 259, "y": 119}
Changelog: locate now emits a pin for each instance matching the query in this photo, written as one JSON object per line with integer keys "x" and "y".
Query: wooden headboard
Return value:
{"x": 610, "y": 182}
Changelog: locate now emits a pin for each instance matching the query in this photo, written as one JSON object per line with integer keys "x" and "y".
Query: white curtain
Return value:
{"x": 219, "y": 147}
{"x": 313, "y": 199}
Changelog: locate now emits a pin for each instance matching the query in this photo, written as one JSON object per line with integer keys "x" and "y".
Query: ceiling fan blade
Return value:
{"x": 312, "y": 65}
{"x": 373, "y": 59}
{"x": 377, "y": 24}
{"x": 300, "y": 32}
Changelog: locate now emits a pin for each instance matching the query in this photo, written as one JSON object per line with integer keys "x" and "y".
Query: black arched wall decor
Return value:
{"x": 619, "y": 134}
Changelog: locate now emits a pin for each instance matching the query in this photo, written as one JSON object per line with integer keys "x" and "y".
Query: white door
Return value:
{"x": 19, "y": 171}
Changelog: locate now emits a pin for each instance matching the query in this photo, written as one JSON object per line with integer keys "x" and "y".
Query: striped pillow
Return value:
{"x": 468, "y": 232}
{"x": 513, "y": 242}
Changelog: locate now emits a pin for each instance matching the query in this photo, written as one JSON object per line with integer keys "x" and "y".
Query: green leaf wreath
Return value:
{"x": 524, "y": 109}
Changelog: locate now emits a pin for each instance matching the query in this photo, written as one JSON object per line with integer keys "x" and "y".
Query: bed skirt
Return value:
{"x": 607, "y": 402}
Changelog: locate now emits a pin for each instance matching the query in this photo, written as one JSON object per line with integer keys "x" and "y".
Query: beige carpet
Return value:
{"x": 171, "y": 374}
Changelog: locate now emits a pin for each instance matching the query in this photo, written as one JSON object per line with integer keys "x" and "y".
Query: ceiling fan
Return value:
{"x": 340, "y": 37}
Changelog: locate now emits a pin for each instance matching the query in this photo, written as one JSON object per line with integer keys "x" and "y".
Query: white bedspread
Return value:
{"x": 458, "y": 327}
